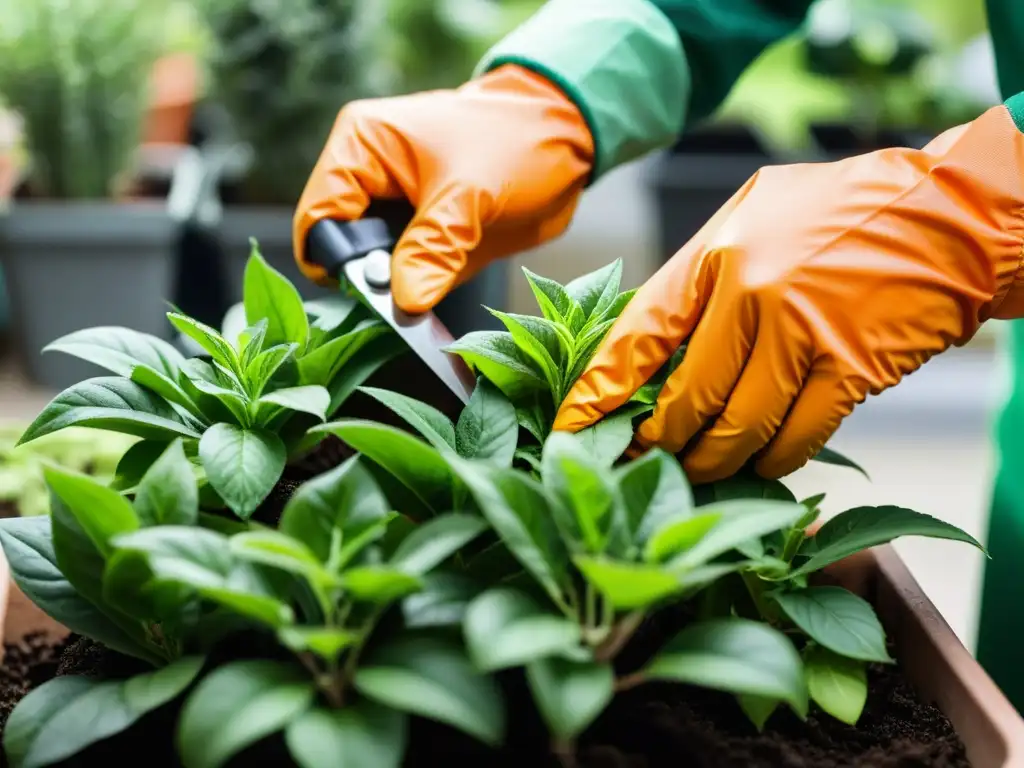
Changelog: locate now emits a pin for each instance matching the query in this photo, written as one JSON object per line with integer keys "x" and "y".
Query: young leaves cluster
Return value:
{"x": 245, "y": 407}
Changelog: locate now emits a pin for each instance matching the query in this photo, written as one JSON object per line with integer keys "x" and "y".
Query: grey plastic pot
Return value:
{"x": 70, "y": 265}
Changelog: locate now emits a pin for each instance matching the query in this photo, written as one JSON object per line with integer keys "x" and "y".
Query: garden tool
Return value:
{"x": 360, "y": 253}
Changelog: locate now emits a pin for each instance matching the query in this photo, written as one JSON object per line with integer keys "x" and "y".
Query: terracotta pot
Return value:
{"x": 933, "y": 658}
{"x": 174, "y": 89}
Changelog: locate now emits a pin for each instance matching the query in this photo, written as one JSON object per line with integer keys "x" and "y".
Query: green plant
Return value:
{"x": 838, "y": 631}
{"x": 22, "y": 486}
{"x": 159, "y": 580}
{"x": 282, "y": 71}
{"x": 78, "y": 74}
{"x": 245, "y": 411}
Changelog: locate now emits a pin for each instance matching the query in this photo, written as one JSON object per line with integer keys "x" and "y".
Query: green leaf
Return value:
{"x": 237, "y": 705}
{"x": 607, "y": 439}
{"x": 363, "y": 364}
{"x": 597, "y": 290}
{"x": 342, "y": 504}
{"x": 506, "y": 628}
{"x": 827, "y": 456}
{"x": 165, "y": 387}
{"x": 615, "y": 308}
{"x": 434, "y": 679}
{"x": 433, "y": 425}
{"x": 261, "y": 369}
{"x": 433, "y": 542}
{"x": 249, "y": 341}
{"x": 242, "y": 465}
{"x": 332, "y": 312}
{"x": 379, "y": 584}
{"x": 119, "y": 350}
{"x": 361, "y": 734}
{"x": 734, "y": 655}
{"x": 488, "y": 428}
{"x": 584, "y": 498}
{"x": 518, "y": 510}
{"x": 554, "y": 301}
{"x": 414, "y": 463}
{"x": 530, "y": 455}
{"x": 28, "y": 547}
{"x": 136, "y": 461}
{"x": 207, "y": 338}
{"x": 864, "y": 527}
{"x": 837, "y": 619}
{"x": 542, "y": 341}
{"x": 110, "y": 403}
{"x": 534, "y": 420}
{"x": 202, "y": 560}
{"x": 268, "y": 294}
{"x": 60, "y": 719}
{"x": 740, "y": 521}
{"x": 496, "y": 356}
{"x": 677, "y": 536}
{"x": 757, "y": 709}
{"x": 199, "y": 380}
{"x": 314, "y": 400}
{"x": 442, "y": 602}
{"x": 101, "y": 511}
{"x": 837, "y": 684}
{"x": 325, "y": 642}
{"x": 278, "y": 550}
{"x": 629, "y": 585}
{"x": 570, "y": 694}
{"x": 322, "y": 364}
{"x": 168, "y": 493}
{"x": 654, "y": 492}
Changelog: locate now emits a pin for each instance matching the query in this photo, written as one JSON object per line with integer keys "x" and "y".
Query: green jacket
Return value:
{"x": 641, "y": 70}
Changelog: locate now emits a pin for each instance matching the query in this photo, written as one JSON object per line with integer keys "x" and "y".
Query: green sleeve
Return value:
{"x": 640, "y": 70}
{"x": 1006, "y": 22}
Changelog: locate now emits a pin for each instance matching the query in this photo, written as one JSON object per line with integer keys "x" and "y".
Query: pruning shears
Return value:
{"x": 360, "y": 253}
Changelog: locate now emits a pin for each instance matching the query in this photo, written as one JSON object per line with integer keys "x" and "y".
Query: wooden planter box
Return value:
{"x": 932, "y": 656}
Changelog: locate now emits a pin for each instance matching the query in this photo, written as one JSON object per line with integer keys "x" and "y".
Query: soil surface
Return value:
{"x": 655, "y": 726}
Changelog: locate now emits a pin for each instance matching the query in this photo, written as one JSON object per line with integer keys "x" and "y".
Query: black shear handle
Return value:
{"x": 332, "y": 244}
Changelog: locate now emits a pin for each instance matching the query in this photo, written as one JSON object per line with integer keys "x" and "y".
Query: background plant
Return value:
{"x": 22, "y": 485}
{"x": 282, "y": 71}
{"x": 246, "y": 408}
{"x": 78, "y": 74}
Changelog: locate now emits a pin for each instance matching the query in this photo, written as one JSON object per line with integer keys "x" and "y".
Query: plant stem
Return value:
{"x": 632, "y": 680}
{"x": 618, "y": 637}
{"x": 756, "y": 589}
{"x": 565, "y": 751}
{"x": 591, "y": 607}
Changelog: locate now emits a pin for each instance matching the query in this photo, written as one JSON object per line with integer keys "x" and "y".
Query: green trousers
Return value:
{"x": 1000, "y": 647}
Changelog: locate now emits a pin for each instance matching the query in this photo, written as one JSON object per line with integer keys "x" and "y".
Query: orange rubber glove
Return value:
{"x": 815, "y": 285}
{"x": 493, "y": 168}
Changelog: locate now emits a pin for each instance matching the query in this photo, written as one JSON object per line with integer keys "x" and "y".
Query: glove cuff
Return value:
{"x": 620, "y": 61}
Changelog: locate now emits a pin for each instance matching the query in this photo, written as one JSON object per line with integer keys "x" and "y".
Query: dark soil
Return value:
{"x": 654, "y": 726}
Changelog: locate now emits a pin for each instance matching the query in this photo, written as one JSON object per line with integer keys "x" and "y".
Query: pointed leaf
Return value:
{"x": 442, "y": 602}
{"x": 110, "y": 403}
{"x": 734, "y": 655}
{"x": 597, "y": 290}
{"x": 677, "y": 536}
{"x": 629, "y": 585}
{"x": 828, "y": 456}
{"x": 361, "y": 734}
{"x": 654, "y": 491}
{"x": 608, "y": 439}
{"x": 322, "y": 364}
{"x": 168, "y": 493}
{"x": 740, "y": 521}
{"x": 325, "y": 642}
{"x": 487, "y": 427}
{"x": 757, "y": 708}
{"x": 428, "y": 677}
{"x": 433, "y": 425}
{"x": 865, "y": 527}
{"x": 309, "y": 399}
{"x": 207, "y": 338}
{"x": 261, "y": 369}
{"x": 496, "y": 355}
{"x": 506, "y": 628}
{"x": 242, "y": 465}
{"x": 119, "y": 350}
{"x": 413, "y": 462}
{"x": 101, "y": 511}
{"x": 433, "y": 542}
{"x": 570, "y": 694}
{"x": 836, "y": 684}
{"x": 165, "y": 387}
{"x": 554, "y": 301}
{"x": 837, "y": 619}
{"x": 268, "y": 294}
{"x": 237, "y": 705}
{"x": 585, "y": 500}
{"x": 379, "y": 584}
{"x": 343, "y": 503}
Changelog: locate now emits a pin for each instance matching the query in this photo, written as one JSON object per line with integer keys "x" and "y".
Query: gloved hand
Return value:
{"x": 813, "y": 286}
{"x": 492, "y": 168}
